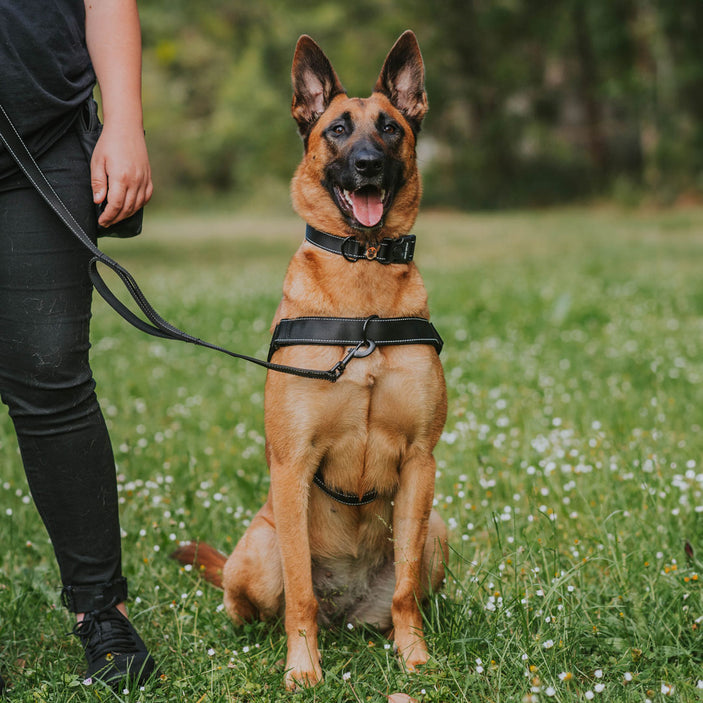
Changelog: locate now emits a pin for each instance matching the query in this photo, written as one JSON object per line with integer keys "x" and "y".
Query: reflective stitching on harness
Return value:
{"x": 341, "y": 496}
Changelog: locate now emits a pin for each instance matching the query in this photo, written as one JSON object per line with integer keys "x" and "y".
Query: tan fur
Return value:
{"x": 304, "y": 554}
{"x": 310, "y": 199}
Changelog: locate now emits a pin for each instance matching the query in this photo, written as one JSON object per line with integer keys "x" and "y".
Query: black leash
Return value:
{"x": 155, "y": 324}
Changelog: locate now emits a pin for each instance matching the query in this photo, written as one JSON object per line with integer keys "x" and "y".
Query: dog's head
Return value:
{"x": 358, "y": 176}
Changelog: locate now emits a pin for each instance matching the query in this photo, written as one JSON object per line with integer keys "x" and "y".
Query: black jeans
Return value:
{"x": 46, "y": 380}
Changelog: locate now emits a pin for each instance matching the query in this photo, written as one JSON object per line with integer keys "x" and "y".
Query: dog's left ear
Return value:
{"x": 402, "y": 79}
{"x": 315, "y": 83}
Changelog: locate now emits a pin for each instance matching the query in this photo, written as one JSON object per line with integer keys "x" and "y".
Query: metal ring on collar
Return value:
{"x": 348, "y": 257}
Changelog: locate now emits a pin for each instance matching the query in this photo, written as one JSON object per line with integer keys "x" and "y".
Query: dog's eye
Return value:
{"x": 338, "y": 129}
{"x": 390, "y": 129}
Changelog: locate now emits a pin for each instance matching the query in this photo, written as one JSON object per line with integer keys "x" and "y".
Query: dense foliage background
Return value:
{"x": 532, "y": 103}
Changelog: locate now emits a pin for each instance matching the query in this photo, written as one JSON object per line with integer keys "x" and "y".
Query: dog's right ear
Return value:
{"x": 314, "y": 84}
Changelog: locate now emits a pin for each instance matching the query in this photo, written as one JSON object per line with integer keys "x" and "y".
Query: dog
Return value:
{"x": 363, "y": 543}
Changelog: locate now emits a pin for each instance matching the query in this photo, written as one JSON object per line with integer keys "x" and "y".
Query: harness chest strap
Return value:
{"x": 350, "y": 331}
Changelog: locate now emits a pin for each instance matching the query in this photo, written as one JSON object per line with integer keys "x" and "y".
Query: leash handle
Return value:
{"x": 156, "y": 326}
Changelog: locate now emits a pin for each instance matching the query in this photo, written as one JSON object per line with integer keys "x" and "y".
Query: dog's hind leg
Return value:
{"x": 252, "y": 577}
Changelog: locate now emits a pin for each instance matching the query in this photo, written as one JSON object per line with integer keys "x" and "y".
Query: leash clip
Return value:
{"x": 363, "y": 349}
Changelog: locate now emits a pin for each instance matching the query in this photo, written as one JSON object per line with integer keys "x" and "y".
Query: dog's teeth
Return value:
{"x": 383, "y": 195}
{"x": 348, "y": 196}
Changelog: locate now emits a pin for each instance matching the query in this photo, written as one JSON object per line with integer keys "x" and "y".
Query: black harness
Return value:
{"x": 361, "y": 335}
{"x": 342, "y": 497}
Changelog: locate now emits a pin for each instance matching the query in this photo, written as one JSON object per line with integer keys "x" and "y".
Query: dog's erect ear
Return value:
{"x": 402, "y": 79}
{"x": 314, "y": 84}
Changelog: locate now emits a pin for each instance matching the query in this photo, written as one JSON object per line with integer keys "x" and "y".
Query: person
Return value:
{"x": 51, "y": 53}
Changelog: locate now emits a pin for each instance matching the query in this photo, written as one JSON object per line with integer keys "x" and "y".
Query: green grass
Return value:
{"x": 571, "y": 472}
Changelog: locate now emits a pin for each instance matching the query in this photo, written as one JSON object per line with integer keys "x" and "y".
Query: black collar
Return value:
{"x": 398, "y": 250}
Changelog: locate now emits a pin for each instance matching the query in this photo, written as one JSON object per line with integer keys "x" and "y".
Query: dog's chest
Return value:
{"x": 381, "y": 411}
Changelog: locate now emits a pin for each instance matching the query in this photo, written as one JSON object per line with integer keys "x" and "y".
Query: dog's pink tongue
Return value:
{"x": 368, "y": 208}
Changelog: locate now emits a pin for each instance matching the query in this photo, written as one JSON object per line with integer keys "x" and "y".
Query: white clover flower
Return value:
{"x": 589, "y": 695}
{"x": 599, "y": 688}
{"x": 346, "y": 675}
{"x": 598, "y": 673}
{"x": 548, "y": 644}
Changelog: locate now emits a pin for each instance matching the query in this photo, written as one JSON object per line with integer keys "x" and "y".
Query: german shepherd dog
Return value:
{"x": 305, "y": 555}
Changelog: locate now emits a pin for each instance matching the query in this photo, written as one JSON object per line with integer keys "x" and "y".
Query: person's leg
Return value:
{"x": 47, "y": 383}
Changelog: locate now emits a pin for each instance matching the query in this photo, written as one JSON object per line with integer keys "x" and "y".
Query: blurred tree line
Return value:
{"x": 531, "y": 102}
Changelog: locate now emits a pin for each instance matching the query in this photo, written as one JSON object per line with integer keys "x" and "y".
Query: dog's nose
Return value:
{"x": 368, "y": 163}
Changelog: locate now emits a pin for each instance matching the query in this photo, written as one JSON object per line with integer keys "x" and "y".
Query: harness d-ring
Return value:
{"x": 365, "y": 347}
{"x": 359, "y": 352}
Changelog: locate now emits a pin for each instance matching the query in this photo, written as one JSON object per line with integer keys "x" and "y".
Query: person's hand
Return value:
{"x": 120, "y": 173}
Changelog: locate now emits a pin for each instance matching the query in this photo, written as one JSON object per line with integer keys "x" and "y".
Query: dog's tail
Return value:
{"x": 205, "y": 558}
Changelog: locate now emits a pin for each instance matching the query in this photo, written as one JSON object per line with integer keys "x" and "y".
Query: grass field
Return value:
{"x": 570, "y": 472}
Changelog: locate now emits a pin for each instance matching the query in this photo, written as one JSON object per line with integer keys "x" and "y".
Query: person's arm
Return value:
{"x": 120, "y": 165}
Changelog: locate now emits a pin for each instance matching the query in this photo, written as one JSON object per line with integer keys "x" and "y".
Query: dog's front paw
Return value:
{"x": 412, "y": 654}
{"x": 302, "y": 677}
{"x": 302, "y": 664}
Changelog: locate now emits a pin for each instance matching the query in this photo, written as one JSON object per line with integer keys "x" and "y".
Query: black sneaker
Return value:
{"x": 116, "y": 654}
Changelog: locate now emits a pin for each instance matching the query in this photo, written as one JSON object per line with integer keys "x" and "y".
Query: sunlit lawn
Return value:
{"x": 570, "y": 471}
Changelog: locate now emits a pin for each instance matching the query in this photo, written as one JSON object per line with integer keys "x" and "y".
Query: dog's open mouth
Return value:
{"x": 366, "y": 205}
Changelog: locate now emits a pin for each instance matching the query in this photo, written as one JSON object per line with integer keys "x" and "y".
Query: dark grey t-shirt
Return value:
{"x": 45, "y": 69}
